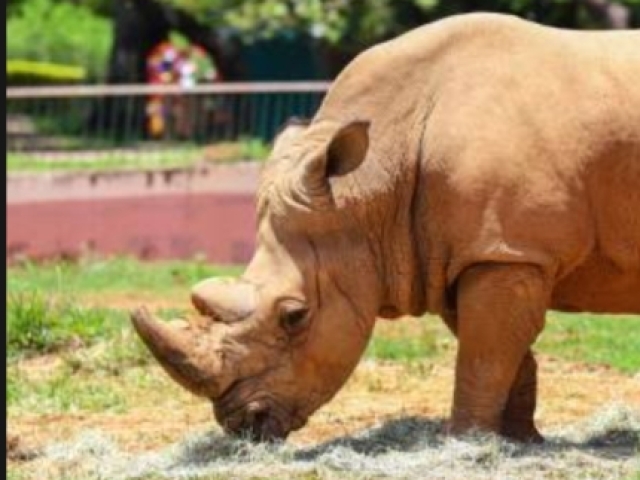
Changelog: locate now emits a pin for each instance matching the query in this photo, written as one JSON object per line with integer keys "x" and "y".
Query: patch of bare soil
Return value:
{"x": 16, "y": 452}
{"x": 376, "y": 392}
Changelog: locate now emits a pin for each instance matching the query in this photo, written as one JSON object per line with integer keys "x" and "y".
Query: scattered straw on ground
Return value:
{"x": 603, "y": 447}
{"x": 386, "y": 423}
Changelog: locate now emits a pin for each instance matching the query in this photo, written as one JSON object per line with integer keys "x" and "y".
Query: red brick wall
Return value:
{"x": 150, "y": 215}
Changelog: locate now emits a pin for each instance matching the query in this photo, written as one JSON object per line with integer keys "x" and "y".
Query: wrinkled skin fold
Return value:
{"x": 483, "y": 168}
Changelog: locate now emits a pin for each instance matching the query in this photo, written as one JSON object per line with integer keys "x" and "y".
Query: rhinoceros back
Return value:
{"x": 526, "y": 144}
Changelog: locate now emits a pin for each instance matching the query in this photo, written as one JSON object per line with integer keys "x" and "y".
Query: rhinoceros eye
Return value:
{"x": 293, "y": 318}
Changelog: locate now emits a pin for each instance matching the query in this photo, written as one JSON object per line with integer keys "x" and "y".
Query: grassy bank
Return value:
{"x": 149, "y": 157}
{"x": 110, "y": 276}
{"x": 47, "y": 306}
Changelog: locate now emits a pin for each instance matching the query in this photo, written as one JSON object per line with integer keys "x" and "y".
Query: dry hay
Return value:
{"x": 605, "y": 446}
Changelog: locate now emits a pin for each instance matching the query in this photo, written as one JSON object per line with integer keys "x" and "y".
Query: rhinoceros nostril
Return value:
{"x": 257, "y": 414}
{"x": 257, "y": 420}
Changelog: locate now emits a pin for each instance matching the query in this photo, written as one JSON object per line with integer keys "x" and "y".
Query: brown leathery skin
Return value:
{"x": 483, "y": 168}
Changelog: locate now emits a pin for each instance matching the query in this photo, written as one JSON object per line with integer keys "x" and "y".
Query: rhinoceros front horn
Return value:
{"x": 177, "y": 352}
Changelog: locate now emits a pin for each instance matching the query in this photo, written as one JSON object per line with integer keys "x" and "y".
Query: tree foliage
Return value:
{"x": 362, "y": 22}
{"x": 59, "y": 32}
{"x": 80, "y": 31}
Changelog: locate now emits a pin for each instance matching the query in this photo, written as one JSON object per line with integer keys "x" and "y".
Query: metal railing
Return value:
{"x": 225, "y": 121}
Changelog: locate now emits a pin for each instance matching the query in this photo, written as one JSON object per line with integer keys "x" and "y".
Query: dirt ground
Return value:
{"x": 377, "y": 391}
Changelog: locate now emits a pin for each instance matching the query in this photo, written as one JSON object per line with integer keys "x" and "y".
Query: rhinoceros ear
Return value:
{"x": 345, "y": 151}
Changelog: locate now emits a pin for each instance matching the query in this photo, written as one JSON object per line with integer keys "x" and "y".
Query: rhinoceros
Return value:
{"x": 482, "y": 168}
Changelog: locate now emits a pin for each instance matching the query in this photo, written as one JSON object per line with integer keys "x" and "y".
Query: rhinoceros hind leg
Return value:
{"x": 517, "y": 419}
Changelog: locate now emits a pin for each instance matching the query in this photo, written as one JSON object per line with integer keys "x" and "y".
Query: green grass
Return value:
{"x": 150, "y": 158}
{"x": 14, "y": 474}
{"x": 18, "y": 162}
{"x": 42, "y": 316}
{"x": 109, "y": 375}
{"x": 599, "y": 339}
{"x": 253, "y": 149}
{"x": 101, "y": 367}
{"x": 122, "y": 274}
{"x": 612, "y": 340}
{"x": 63, "y": 391}
{"x": 44, "y": 313}
{"x": 405, "y": 349}
{"x": 37, "y": 325}
{"x": 122, "y": 352}
{"x": 424, "y": 338}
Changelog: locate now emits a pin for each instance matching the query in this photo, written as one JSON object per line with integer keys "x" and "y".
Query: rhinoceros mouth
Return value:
{"x": 257, "y": 420}
{"x": 256, "y": 423}
{"x": 254, "y": 415}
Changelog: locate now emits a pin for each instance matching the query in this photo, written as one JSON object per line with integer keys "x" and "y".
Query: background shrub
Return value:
{"x": 29, "y": 72}
{"x": 60, "y": 33}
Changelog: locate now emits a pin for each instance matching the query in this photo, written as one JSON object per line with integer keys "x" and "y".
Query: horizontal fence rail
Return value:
{"x": 113, "y": 126}
{"x": 147, "y": 89}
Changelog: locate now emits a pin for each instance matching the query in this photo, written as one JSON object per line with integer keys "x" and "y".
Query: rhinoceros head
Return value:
{"x": 278, "y": 342}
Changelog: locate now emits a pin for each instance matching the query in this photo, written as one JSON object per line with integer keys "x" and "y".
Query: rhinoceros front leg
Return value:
{"x": 517, "y": 418}
{"x": 500, "y": 312}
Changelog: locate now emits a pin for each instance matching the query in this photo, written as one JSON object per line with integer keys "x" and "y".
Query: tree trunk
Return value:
{"x": 140, "y": 25}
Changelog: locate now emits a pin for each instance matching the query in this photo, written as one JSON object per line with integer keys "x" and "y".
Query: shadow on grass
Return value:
{"x": 402, "y": 434}
{"x": 417, "y": 434}
{"x": 412, "y": 434}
